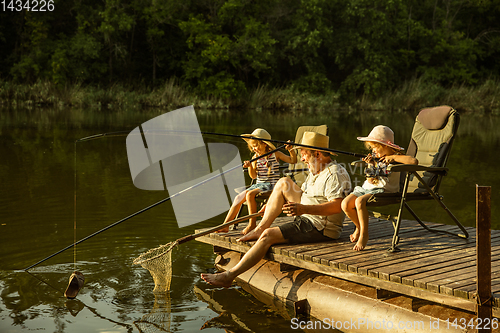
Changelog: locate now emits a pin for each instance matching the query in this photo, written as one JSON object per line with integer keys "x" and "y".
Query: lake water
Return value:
{"x": 40, "y": 162}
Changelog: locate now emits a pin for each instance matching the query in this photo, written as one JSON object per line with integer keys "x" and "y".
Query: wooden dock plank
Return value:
{"x": 451, "y": 256}
{"x": 428, "y": 267}
{"x": 449, "y": 273}
{"x": 385, "y": 264}
{"x": 449, "y": 264}
{"x": 453, "y": 283}
{"x": 339, "y": 257}
{"x": 382, "y": 264}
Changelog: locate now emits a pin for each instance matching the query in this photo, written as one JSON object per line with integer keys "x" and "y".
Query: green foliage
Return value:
{"x": 367, "y": 37}
{"x": 228, "y": 48}
{"x": 33, "y": 43}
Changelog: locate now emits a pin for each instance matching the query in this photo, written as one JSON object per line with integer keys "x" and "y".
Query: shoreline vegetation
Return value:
{"x": 411, "y": 95}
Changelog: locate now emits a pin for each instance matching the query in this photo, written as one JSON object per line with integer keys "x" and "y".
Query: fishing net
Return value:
{"x": 158, "y": 262}
{"x": 159, "y": 319}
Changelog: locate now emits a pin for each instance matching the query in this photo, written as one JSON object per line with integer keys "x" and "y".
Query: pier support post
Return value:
{"x": 483, "y": 255}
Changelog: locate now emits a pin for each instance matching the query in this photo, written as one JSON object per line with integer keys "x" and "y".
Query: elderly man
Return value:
{"x": 316, "y": 207}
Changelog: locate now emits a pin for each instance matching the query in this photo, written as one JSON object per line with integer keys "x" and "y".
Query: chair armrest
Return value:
{"x": 358, "y": 163}
{"x": 416, "y": 167}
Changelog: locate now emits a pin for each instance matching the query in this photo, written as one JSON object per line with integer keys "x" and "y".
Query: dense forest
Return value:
{"x": 226, "y": 47}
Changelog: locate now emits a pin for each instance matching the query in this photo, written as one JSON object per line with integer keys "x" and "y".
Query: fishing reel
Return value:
{"x": 378, "y": 170}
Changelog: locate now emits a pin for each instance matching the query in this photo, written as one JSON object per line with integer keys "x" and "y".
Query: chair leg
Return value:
{"x": 465, "y": 233}
{"x": 395, "y": 237}
{"x": 412, "y": 212}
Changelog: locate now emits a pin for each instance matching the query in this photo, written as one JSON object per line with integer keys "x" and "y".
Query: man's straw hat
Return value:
{"x": 260, "y": 133}
{"x": 316, "y": 140}
{"x": 383, "y": 135}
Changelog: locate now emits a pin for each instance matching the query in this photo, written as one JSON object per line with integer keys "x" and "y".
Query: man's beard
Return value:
{"x": 313, "y": 165}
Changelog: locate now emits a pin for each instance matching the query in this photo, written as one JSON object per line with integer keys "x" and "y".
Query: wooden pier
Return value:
{"x": 432, "y": 267}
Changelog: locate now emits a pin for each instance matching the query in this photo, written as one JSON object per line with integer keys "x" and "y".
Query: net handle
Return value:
{"x": 218, "y": 227}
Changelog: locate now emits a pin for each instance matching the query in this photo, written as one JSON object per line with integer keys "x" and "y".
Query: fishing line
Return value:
{"x": 74, "y": 214}
{"x": 59, "y": 291}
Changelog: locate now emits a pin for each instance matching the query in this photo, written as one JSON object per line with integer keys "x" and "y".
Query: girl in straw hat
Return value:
{"x": 265, "y": 170}
{"x": 381, "y": 142}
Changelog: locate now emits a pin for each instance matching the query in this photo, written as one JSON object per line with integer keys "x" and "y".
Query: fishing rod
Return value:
{"x": 285, "y": 142}
{"x": 120, "y": 133}
{"x": 149, "y": 207}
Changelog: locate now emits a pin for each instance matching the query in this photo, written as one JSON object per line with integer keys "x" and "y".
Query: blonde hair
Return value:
{"x": 268, "y": 149}
{"x": 371, "y": 144}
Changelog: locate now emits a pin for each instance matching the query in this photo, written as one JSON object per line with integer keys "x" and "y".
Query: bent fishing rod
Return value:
{"x": 149, "y": 207}
{"x": 121, "y": 133}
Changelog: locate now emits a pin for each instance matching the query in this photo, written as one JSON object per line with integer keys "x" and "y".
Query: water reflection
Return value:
{"x": 37, "y": 216}
{"x": 240, "y": 312}
{"x": 159, "y": 319}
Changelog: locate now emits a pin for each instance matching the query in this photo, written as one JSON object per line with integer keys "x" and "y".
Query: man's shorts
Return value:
{"x": 301, "y": 230}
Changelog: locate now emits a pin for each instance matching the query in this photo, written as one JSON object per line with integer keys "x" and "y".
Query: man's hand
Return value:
{"x": 293, "y": 209}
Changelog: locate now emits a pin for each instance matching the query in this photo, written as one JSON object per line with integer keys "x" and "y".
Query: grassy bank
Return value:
{"x": 411, "y": 95}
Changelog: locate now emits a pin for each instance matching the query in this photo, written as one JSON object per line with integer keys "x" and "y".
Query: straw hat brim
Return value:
{"x": 254, "y": 137}
{"x": 386, "y": 143}
{"x": 317, "y": 149}
{"x": 316, "y": 141}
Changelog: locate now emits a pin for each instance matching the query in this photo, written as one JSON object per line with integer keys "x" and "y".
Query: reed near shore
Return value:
{"x": 411, "y": 95}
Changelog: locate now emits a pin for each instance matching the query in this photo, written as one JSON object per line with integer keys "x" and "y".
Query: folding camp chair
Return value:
{"x": 431, "y": 140}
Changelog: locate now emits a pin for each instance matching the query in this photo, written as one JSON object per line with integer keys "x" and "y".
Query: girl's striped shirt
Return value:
{"x": 268, "y": 170}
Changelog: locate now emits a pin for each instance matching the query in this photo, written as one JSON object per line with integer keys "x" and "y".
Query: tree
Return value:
{"x": 228, "y": 45}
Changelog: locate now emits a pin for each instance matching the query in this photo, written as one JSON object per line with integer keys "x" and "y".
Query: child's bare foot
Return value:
{"x": 226, "y": 229}
{"x": 218, "y": 280}
{"x": 361, "y": 244}
{"x": 354, "y": 236}
{"x": 248, "y": 228}
{"x": 252, "y": 235}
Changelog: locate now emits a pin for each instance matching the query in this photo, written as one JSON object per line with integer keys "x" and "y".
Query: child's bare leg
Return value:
{"x": 233, "y": 211}
{"x": 252, "y": 208}
{"x": 284, "y": 190}
{"x": 349, "y": 208}
{"x": 363, "y": 222}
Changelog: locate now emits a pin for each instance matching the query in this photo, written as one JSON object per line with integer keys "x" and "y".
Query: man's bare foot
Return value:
{"x": 248, "y": 228}
{"x": 252, "y": 235}
{"x": 361, "y": 244}
{"x": 354, "y": 236}
{"x": 218, "y": 280}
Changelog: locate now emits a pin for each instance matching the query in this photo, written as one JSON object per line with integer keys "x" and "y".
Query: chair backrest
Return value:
{"x": 431, "y": 140}
{"x": 300, "y": 176}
